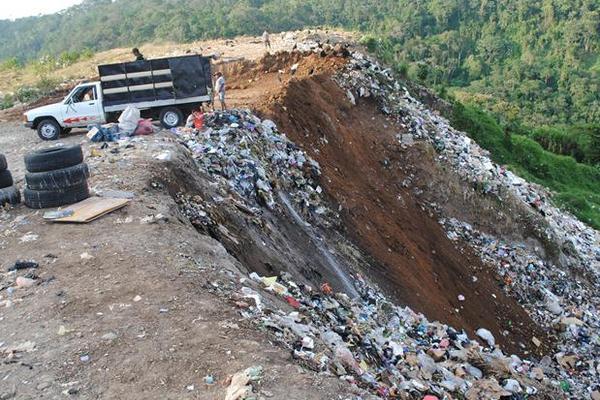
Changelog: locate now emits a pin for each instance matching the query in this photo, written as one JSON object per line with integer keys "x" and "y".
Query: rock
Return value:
{"x": 110, "y": 336}
{"x": 595, "y": 395}
{"x": 536, "y": 341}
{"x": 23, "y": 282}
{"x": 487, "y": 336}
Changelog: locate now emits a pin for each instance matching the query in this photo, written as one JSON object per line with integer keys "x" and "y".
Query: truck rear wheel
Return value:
{"x": 170, "y": 117}
{"x": 48, "y": 129}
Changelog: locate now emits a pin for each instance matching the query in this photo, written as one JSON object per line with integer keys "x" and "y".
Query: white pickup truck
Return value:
{"x": 167, "y": 88}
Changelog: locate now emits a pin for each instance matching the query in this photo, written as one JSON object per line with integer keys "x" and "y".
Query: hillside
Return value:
{"x": 329, "y": 237}
{"x": 536, "y": 62}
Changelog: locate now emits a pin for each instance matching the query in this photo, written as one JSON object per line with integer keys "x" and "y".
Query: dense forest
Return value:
{"x": 532, "y": 61}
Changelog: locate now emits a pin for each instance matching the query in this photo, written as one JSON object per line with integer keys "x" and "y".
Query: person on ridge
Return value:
{"x": 136, "y": 53}
{"x": 266, "y": 40}
{"x": 220, "y": 89}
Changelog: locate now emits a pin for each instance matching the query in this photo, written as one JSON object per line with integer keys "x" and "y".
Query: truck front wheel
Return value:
{"x": 48, "y": 129}
{"x": 171, "y": 117}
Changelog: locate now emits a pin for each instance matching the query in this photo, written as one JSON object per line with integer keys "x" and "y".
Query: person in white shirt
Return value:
{"x": 220, "y": 89}
{"x": 266, "y": 40}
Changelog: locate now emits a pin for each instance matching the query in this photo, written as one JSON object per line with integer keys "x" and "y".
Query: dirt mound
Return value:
{"x": 412, "y": 258}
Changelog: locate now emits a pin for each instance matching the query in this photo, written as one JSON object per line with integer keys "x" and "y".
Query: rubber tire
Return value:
{"x": 163, "y": 114}
{"x": 66, "y": 131}
{"x": 52, "y": 122}
{"x": 10, "y": 195}
{"x": 59, "y": 178}
{"x": 53, "y": 158}
{"x": 6, "y": 179}
{"x": 3, "y": 163}
{"x": 55, "y": 198}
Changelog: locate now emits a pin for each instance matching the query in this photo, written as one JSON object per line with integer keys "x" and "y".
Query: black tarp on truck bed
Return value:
{"x": 175, "y": 78}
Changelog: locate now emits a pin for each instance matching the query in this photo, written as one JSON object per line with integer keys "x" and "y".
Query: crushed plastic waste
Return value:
{"x": 255, "y": 159}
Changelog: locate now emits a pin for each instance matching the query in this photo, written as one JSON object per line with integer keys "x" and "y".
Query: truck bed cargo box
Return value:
{"x": 156, "y": 83}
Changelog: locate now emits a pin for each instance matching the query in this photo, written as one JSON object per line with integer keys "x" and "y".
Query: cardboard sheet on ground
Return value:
{"x": 91, "y": 208}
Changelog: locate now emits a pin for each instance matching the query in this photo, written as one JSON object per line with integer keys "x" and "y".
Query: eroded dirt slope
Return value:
{"x": 412, "y": 258}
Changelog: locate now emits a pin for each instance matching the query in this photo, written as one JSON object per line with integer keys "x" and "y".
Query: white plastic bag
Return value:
{"x": 128, "y": 120}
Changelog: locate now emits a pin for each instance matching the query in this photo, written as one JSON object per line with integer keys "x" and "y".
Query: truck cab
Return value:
{"x": 80, "y": 108}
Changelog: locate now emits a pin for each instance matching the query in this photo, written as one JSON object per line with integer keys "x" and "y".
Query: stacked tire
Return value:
{"x": 9, "y": 194}
{"x": 56, "y": 177}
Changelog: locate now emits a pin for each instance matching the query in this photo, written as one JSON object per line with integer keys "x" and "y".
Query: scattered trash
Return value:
{"x": 84, "y": 358}
{"x": 547, "y": 291}
{"x": 58, "y": 214}
{"x": 209, "y": 380}
{"x": 23, "y": 264}
{"x": 239, "y": 388}
{"x": 29, "y": 237}
{"x": 86, "y": 256}
{"x": 23, "y": 282}
{"x": 487, "y": 336}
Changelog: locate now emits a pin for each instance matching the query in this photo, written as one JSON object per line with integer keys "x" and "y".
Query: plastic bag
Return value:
{"x": 144, "y": 127}
{"x": 128, "y": 120}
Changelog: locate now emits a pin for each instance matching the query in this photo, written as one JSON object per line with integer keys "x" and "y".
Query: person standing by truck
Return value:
{"x": 220, "y": 89}
{"x": 136, "y": 53}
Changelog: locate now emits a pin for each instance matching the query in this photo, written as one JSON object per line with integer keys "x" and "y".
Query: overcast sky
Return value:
{"x": 12, "y": 9}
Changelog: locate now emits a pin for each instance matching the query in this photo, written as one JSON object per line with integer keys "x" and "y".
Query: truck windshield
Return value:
{"x": 83, "y": 93}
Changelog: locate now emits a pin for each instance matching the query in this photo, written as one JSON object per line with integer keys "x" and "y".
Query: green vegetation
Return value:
{"x": 577, "y": 186}
{"x": 577, "y": 141}
{"x": 532, "y": 61}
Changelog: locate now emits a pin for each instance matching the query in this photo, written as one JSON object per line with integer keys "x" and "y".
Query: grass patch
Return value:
{"x": 577, "y": 186}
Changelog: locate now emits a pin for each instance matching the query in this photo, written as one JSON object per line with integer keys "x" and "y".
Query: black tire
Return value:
{"x": 10, "y": 195}
{"x": 170, "y": 117}
{"x": 3, "y": 163}
{"x": 48, "y": 129}
{"x": 6, "y": 179}
{"x": 56, "y": 198}
{"x": 53, "y": 158}
{"x": 66, "y": 131}
{"x": 58, "y": 179}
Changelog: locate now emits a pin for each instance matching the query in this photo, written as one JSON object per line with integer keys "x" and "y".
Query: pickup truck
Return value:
{"x": 167, "y": 88}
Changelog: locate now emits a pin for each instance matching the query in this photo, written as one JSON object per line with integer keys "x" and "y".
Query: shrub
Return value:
{"x": 7, "y": 101}
{"x": 25, "y": 94}
{"x": 10, "y": 64}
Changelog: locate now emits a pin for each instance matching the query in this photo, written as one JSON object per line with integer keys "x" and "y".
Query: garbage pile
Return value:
{"x": 255, "y": 159}
{"x": 552, "y": 295}
{"x": 388, "y": 351}
{"x": 364, "y": 77}
{"x": 552, "y": 298}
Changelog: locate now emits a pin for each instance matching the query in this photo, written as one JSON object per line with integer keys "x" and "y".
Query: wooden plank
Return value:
{"x": 92, "y": 208}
